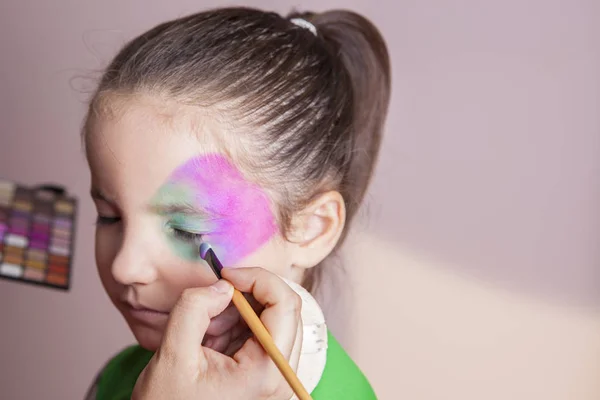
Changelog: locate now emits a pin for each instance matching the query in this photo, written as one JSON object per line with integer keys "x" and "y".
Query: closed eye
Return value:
{"x": 187, "y": 236}
{"x": 104, "y": 220}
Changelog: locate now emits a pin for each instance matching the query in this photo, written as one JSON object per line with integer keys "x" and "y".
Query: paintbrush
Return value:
{"x": 256, "y": 326}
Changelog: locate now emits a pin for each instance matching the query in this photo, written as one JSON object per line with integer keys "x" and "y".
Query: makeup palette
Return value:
{"x": 37, "y": 227}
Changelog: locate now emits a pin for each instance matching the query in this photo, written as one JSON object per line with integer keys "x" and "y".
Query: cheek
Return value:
{"x": 178, "y": 276}
{"x": 272, "y": 256}
{"x": 186, "y": 251}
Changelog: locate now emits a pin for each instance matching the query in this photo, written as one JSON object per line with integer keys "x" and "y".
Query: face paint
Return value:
{"x": 185, "y": 233}
{"x": 208, "y": 197}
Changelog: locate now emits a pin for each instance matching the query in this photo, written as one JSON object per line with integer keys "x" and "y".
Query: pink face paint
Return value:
{"x": 236, "y": 216}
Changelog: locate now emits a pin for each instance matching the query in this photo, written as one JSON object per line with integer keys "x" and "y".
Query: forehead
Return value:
{"x": 134, "y": 147}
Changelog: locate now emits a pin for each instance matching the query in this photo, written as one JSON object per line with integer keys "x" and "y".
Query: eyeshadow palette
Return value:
{"x": 37, "y": 227}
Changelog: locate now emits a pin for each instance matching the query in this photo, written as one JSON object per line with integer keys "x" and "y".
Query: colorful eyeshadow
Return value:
{"x": 63, "y": 207}
{"x": 7, "y": 186}
{"x": 17, "y": 218}
{"x": 18, "y": 251}
{"x": 19, "y": 214}
{"x": 58, "y": 269}
{"x": 36, "y": 235}
{"x": 60, "y": 233}
{"x": 22, "y": 206}
{"x": 56, "y": 279}
{"x": 39, "y": 236}
{"x": 59, "y": 250}
{"x": 35, "y": 264}
{"x": 38, "y": 245}
{"x": 34, "y": 254}
{"x": 42, "y": 219}
{"x": 13, "y": 258}
{"x": 16, "y": 240}
{"x": 6, "y": 193}
{"x": 19, "y": 223}
{"x": 62, "y": 223}
{"x": 17, "y": 231}
{"x": 54, "y": 259}
{"x": 11, "y": 270}
{"x": 38, "y": 231}
{"x": 40, "y": 228}
{"x": 60, "y": 242}
{"x": 45, "y": 195}
{"x": 34, "y": 274}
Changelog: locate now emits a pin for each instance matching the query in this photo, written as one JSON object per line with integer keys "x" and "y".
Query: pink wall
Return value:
{"x": 483, "y": 220}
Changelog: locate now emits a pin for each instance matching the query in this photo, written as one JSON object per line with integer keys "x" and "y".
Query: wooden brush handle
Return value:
{"x": 265, "y": 339}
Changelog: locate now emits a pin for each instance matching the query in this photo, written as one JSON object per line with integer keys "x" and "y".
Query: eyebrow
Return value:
{"x": 97, "y": 194}
{"x": 178, "y": 208}
{"x": 158, "y": 208}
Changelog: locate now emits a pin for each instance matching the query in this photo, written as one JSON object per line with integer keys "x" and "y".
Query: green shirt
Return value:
{"x": 341, "y": 379}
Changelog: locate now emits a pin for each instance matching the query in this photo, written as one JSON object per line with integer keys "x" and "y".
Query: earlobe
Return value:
{"x": 317, "y": 228}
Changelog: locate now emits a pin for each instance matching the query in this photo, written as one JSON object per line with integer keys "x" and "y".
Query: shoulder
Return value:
{"x": 342, "y": 378}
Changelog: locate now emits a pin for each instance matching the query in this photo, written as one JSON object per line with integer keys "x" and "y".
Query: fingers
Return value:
{"x": 295, "y": 356}
{"x": 282, "y": 305}
{"x": 228, "y": 327}
{"x": 224, "y": 321}
{"x": 236, "y": 344}
{"x": 190, "y": 319}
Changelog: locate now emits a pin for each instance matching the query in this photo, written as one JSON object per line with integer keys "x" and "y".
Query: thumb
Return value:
{"x": 189, "y": 320}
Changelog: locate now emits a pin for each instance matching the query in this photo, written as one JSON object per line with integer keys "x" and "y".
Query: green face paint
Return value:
{"x": 183, "y": 226}
{"x": 184, "y": 234}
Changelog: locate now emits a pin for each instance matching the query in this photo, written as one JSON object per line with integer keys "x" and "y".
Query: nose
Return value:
{"x": 133, "y": 263}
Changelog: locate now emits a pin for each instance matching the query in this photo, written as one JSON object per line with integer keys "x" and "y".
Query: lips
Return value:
{"x": 147, "y": 315}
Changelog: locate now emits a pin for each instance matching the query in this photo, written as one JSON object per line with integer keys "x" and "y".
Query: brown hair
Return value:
{"x": 317, "y": 103}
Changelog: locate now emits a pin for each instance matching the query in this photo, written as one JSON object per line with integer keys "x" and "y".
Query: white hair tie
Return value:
{"x": 302, "y": 23}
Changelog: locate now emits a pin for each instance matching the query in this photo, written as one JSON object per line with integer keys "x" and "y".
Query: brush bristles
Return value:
{"x": 204, "y": 248}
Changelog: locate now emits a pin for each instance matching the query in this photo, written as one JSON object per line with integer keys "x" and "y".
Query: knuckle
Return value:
{"x": 271, "y": 389}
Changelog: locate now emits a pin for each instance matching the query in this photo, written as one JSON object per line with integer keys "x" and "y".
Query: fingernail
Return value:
{"x": 222, "y": 286}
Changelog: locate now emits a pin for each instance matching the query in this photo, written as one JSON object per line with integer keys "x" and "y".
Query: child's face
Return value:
{"x": 160, "y": 186}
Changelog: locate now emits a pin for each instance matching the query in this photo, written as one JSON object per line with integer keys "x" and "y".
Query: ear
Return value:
{"x": 316, "y": 229}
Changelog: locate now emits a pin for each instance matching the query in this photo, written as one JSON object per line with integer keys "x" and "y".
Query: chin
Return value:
{"x": 147, "y": 337}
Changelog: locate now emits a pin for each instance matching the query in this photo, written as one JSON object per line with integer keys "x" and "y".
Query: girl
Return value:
{"x": 257, "y": 134}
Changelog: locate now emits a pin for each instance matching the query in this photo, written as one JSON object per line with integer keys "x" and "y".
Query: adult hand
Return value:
{"x": 182, "y": 368}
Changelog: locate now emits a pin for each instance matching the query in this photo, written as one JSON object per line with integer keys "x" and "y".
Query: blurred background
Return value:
{"x": 474, "y": 272}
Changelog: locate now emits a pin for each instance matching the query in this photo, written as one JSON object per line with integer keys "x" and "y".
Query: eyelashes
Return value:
{"x": 186, "y": 236}
{"x": 103, "y": 220}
